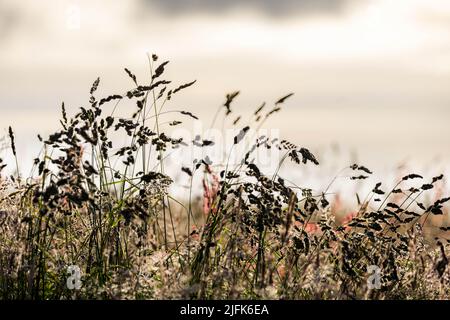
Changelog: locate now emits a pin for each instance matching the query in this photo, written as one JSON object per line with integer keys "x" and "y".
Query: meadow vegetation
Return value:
{"x": 107, "y": 209}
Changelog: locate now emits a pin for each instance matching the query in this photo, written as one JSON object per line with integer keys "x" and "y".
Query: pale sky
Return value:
{"x": 371, "y": 76}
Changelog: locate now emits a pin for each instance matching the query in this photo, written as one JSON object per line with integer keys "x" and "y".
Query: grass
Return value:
{"x": 108, "y": 210}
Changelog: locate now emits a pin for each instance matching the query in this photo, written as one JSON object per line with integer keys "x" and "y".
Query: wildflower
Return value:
{"x": 210, "y": 191}
{"x": 349, "y": 217}
{"x": 312, "y": 228}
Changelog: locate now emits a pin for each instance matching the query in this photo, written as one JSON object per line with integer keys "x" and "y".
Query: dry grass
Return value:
{"x": 108, "y": 210}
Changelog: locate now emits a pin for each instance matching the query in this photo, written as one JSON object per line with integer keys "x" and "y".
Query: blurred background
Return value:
{"x": 371, "y": 77}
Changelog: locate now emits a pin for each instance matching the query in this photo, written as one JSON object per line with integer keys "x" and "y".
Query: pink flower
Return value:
{"x": 210, "y": 191}
{"x": 311, "y": 227}
{"x": 348, "y": 218}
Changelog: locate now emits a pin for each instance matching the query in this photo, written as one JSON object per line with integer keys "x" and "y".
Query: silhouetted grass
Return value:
{"x": 107, "y": 209}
